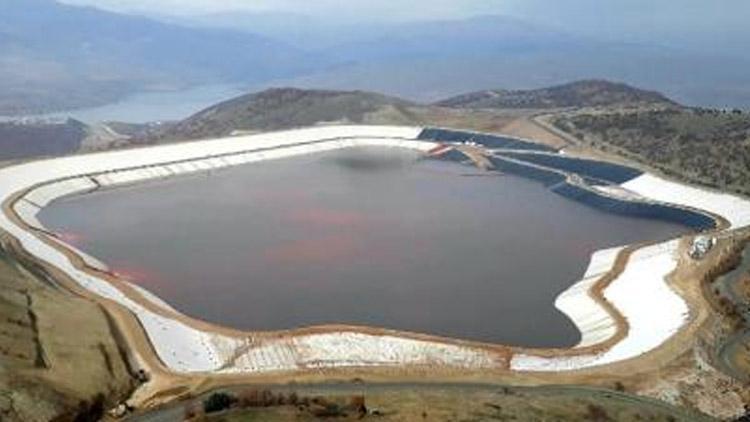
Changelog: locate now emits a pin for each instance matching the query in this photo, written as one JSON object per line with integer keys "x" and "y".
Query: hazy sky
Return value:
{"x": 703, "y": 13}
{"x": 361, "y": 9}
{"x": 704, "y": 24}
{"x": 631, "y": 15}
{"x": 583, "y": 15}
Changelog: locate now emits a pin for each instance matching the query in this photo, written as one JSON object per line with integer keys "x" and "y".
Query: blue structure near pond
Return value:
{"x": 546, "y": 176}
{"x": 613, "y": 173}
{"x": 486, "y": 140}
{"x": 693, "y": 219}
{"x": 542, "y": 163}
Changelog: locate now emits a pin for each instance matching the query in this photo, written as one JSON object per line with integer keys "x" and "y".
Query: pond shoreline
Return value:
{"x": 230, "y": 353}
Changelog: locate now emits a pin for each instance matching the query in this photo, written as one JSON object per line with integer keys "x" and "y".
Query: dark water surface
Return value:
{"x": 359, "y": 236}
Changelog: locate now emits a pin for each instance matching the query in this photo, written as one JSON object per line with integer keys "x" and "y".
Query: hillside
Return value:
{"x": 29, "y": 139}
{"x": 51, "y": 369}
{"x": 57, "y": 56}
{"x": 585, "y": 93}
{"x": 283, "y": 108}
{"x": 699, "y": 145}
{"x": 86, "y": 57}
{"x": 710, "y": 147}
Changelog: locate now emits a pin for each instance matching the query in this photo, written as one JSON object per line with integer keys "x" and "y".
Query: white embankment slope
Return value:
{"x": 733, "y": 208}
{"x": 350, "y": 349}
{"x": 593, "y": 321}
{"x": 652, "y": 310}
{"x": 641, "y": 294}
{"x": 180, "y": 346}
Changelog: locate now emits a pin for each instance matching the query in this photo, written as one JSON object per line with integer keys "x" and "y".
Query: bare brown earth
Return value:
{"x": 285, "y": 108}
{"x": 59, "y": 353}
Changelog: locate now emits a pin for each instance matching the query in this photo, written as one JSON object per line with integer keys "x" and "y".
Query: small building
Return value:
{"x": 701, "y": 246}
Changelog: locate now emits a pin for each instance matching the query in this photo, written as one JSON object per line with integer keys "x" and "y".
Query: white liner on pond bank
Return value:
{"x": 640, "y": 293}
{"x": 733, "y": 208}
{"x": 653, "y": 311}
{"x": 593, "y": 321}
{"x": 181, "y": 347}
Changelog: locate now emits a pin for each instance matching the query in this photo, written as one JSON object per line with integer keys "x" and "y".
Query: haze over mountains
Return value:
{"x": 57, "y": 56}
{"x": 430, "y": 60}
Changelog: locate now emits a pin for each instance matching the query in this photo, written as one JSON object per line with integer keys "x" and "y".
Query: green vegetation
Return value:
{"x": 491, "y": 111}
{"x": 245, "y": 402}
{"x": 284, "y": 108}
{"x": 436, "y": 403}
{"x": 710, "y": 147}
{"x": 217, "y": 402}
{"x": 585, "y": 93}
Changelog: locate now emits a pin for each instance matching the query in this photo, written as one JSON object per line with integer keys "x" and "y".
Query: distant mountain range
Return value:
{"x": 56, "y": 56}
{"x": 428, "y": 61}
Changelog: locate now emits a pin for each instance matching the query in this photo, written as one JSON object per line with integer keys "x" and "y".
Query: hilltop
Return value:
{"x": 584, "y": 93}
{"x": 703, "y": 146}
{"x": 700, "y": 145}
{"x": 283, "y": 108}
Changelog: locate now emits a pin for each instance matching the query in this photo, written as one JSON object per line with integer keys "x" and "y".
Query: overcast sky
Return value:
{"x": 360, "y": 9}
{"x": 706, "y": 21}
{"x": 673, "y": 12}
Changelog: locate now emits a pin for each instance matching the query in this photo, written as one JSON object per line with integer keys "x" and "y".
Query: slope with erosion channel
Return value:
{"x": 43, "y": 349}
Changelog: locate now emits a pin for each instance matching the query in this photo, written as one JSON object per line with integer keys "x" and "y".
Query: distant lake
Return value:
{"x": 371, "y": 236}
{"x": 150, "y": 106}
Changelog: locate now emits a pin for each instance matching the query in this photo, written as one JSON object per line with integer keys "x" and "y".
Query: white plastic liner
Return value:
{"x": 344, "y": 349}
{"x": 654, "y": 312}
{"x": 43, "y": 195}
{"x": 733, "y": 208}
{"x": 28, "y": 212}
{"x": 593, "y": 321}
{"x": 181, "y": 347}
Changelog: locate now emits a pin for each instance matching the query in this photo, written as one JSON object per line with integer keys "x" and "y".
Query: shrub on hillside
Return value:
{"x": 217, "y": 402}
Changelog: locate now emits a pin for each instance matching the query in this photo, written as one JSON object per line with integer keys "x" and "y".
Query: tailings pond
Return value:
{"x": 364, "y": 236}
